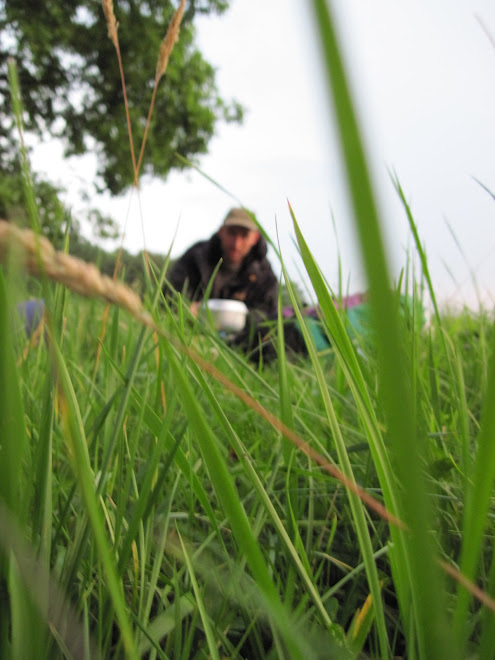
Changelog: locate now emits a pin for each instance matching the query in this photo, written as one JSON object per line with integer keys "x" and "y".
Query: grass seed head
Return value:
{"x": 111, "y": 21}
{"x": 169, "y": 40}
{"x": 39, "y": 257}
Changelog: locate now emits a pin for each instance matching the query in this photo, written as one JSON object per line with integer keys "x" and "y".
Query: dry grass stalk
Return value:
{"x": 169, "y": 41}
{"x": 39, "y": 257}
{"x": 111, "y": 22}
{"x": 112, "y": 33}
{"x": 166, "y": 48}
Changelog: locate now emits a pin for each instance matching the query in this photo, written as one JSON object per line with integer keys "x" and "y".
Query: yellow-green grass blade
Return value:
{"x": 13, "y": 443}
{"x": 348, "y": 361}
{"x": 16, "y": 101}
{"x": 431, "y": 631}
{"x": 419, "y": 248}
{"x": 478, "y": 500}
{"x": 166, "y": 623}
{"x": 43, "y": 482}
{"x": 151, "y": 490}
{"x": 487, "y": 641}
{"x": 286, "y": 415}
{"x": 300, "y": 563}
{"x": 157, "y": 559}
{"x": 356, "y": 505}
{"x": 210, "y": 638}
{"x": 229, "y": 499}
{"x": 13, "y": 446}
{"x": 77, "y": 446}
{"x": 361, "y": 625}
{"x": 154, "y": 423}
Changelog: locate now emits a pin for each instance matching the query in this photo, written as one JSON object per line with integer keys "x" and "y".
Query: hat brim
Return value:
{"x": 247, "y": 223}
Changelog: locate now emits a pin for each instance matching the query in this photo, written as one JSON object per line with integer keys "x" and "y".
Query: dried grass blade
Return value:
{"x": 166, "y": 48}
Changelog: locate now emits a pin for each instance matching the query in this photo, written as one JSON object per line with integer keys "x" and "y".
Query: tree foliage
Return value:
{"x": 71, "y": 85}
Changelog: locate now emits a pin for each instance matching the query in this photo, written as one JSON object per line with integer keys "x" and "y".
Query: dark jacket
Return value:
{"x": 254, "y": 283}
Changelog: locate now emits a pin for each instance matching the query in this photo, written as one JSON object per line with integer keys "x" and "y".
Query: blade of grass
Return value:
{"x": 358, "y": 512}
{"x": 301, "y": 564}
{"x": 229, "y": 499}
{"x": 347, "y": 359}
{"x": 210, "y": 638}
{"x": 478, "y": 500}
{"x": 431, "y": 630}
{"x": 82, "y": 468}
{"x": 53, "y": 607}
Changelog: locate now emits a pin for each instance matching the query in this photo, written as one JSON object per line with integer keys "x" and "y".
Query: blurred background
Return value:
{"x": 423, "y": 76}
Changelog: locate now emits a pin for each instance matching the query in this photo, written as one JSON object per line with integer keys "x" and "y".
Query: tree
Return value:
{"x": 71, "y": 86}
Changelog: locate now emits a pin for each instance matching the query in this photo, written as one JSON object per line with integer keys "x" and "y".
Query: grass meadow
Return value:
{"x": 163, "y": 497}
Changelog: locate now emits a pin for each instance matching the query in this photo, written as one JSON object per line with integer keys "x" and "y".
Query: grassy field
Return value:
{"x": 160, "y": 496}
{"x": 152, "y": 507}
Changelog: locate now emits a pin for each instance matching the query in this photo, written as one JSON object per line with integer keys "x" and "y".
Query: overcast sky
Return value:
{"x": 423, "y": 75}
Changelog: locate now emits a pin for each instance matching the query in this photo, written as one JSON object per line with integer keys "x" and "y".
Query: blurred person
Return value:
{"x": 244, "y": 272}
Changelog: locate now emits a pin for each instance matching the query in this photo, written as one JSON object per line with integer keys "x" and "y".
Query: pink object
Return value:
{"x": 347, "y": 302}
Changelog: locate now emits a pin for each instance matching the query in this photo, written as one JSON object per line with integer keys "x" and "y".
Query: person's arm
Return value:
{"x": 263, "y": 298}
{"x": 184, "y": 277}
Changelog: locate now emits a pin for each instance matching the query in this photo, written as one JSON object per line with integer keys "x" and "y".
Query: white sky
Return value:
{"x": 423, "y": 74}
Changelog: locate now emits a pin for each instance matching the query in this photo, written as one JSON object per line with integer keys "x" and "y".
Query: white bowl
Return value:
{"x": 227, "y": 315}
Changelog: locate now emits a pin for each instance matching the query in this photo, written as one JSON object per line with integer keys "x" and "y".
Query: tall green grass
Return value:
{"x": 160, "y": 496}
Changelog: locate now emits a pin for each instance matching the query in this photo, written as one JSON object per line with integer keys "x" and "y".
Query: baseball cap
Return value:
{"x": 240, "y": 218}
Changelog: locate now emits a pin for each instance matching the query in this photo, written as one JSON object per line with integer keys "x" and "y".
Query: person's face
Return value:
{"x": 236, "y": 243}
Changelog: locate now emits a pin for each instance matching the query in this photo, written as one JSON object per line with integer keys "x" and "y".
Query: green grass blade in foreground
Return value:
{"x": 199, "y": 601}
{"x": 357, "y": 507}
{"x": 42, "y": 590}
{"x": 300, "y": 564}
{"x": 419, "y": 248}
{"x": 121, "y": 412}
{"x": 346, "y": 355}
{"x": 149, "y": 491}
{"x": 477, "y": 499}
{"x": 43, "y": 483}
{"x": 451, "y": 362}
{"x": 13, "y": 439}
{"x": 287, "y": 449}
{"x": 286, "y": 415}
{"x": 487, "y": 642}
{"x": 155, "y": 424}
{"x": 13, "y": 444}
{"x": 153, "y": 631}
{"x": 74, "y": 434}
{"x": 432, "y": 634}
{"x": 165, "y": 623}
{"x": 26, "y": 171}
{"x": 229, "y": 499}
{"x": 149, "y": 481}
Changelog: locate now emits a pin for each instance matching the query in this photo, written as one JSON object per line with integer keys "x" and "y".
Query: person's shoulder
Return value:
{"x": 199, "y": 245}
{"x": 196, "y": 248}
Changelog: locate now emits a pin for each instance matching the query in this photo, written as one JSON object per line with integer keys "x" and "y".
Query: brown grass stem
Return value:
{"x": 474, "y": 590}
{"x": 113, "y": 36}
{"x": 166, "y": 48}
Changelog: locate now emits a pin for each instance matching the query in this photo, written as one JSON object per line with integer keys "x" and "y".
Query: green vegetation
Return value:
{"x": 159, "y": 512}
{"x": 162, "y": 497}
{"x": 72, "y": 87}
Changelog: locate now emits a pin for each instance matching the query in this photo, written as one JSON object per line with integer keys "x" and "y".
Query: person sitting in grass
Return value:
{"x": 244, "y": 272}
